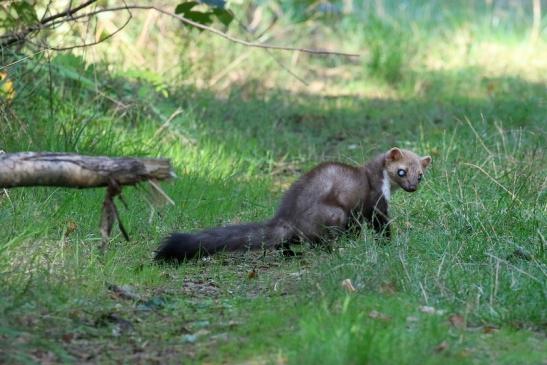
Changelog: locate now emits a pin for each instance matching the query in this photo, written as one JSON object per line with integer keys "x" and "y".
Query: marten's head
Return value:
{"x": 405, "y": 168}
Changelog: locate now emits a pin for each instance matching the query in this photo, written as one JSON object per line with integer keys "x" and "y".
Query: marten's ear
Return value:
{"x": 425, "y": 161}
{"x": 394, "y": 154}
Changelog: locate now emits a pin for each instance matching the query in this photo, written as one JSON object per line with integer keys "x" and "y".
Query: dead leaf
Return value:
{"x": 489, "y": 329}
{"x": 457, "y": 321}
{"x": 466, "y": 353}
{"x": 76, "y": 314}
{"x": 231, "y": 324}
{"x": 388, "y": 288}
{"x": 348, "y": 286}
{"x": 7, "y": 91}
{"x": 68, "y": 337}
{"x": 70, "y": 227}
{"x": 251, "y": 274}
{"x": 443, "y": 346}
{"x": 378, "y": 315}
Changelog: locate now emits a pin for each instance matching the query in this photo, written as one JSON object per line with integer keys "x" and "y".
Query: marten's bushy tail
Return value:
{"x": 180, "y": 246}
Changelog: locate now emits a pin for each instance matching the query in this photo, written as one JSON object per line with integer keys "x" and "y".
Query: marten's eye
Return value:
{"x": 401, "y": 172}
{"x": 420, "y": 177}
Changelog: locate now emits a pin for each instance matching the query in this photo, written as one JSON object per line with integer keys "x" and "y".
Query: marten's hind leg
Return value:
{"x": 335, "y": 221}
{"x": 328, "y": 222}
{"x": 281, "y": 235}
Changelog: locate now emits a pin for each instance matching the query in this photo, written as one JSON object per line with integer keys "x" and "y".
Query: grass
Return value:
{"x": 461, "y": 282}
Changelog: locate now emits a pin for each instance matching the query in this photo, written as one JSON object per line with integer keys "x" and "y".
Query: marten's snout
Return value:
{"x": 411, "y": 188}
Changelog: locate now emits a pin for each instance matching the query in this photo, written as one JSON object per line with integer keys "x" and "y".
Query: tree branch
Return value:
{"x": 49, "y": 23}
{"x": 68, "y": 12}
{"x": 77, "y": 171}
{"x": 19, "y": 36}
{"x": 83, "y": 45}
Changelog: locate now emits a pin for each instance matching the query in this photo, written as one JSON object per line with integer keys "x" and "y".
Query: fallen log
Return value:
{"x": 77, "y": 171}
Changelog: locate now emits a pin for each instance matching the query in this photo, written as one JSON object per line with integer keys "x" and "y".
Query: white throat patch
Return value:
{"x": 386, "y": 186}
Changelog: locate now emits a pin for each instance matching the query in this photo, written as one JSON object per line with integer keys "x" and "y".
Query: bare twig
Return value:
{"x": 83, "y": 45}
{"x": 157, "y": 188}
{"x": 288, "y": 70}
{"x": 69, "y": 12}
{"x": 241, "y": 41}
{"x": 46, "y": 11}
{"x": 47, "y": 23}
{"x": 22, "y": 59}
{"x": 167, "y": 122}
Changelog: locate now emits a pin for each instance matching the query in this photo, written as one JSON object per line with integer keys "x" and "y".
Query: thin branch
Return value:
{"x": 22, "y": 59}
{"x": 278, "y": 62}
{"x": 287, "y": 69}
{"x": 206, "y": 28}
{"x": 48, "y": 6}
{"x": 241, "y": 41}
{"x": 84, "y": 45}
{"x": 68, "y": 12}
{"x": 16, "y": 37}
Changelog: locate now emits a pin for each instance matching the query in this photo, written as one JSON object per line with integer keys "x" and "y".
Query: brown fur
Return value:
{"x": 331, "y": 198}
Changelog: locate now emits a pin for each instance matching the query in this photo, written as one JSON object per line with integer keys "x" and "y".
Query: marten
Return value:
{"x": 330, "y": 199}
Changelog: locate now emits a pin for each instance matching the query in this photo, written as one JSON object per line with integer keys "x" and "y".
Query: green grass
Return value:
{"x": 470, "y": 244}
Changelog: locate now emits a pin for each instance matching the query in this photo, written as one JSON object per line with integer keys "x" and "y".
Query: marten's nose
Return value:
{"x": 412, "y": 187}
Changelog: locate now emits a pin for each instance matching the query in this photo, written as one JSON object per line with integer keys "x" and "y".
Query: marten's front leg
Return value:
{"x": 379, "y": 218}
{"x": 380, "y": 222}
